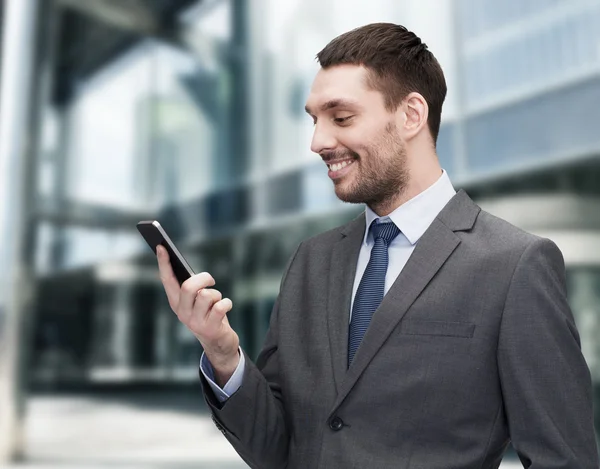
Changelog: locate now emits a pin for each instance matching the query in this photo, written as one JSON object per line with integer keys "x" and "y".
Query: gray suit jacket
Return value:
{"x": 474, "y": 345}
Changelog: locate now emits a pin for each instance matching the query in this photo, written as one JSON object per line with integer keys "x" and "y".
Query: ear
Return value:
{"x": 415, "y": 112}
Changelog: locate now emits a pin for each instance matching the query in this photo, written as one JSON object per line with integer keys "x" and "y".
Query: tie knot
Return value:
{"x": 386, "y": 231}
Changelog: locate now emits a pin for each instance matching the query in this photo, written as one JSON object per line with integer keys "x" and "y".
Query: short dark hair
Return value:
{"x": 398, "y": 63}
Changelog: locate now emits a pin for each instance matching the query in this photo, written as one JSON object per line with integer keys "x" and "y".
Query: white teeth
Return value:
{"x": 338, "y": 166}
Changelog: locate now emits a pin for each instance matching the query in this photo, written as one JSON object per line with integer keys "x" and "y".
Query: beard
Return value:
{"x": 379, "y": 177}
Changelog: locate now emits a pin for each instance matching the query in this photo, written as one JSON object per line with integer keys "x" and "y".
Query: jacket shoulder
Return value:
{"x": 497, "y": 234}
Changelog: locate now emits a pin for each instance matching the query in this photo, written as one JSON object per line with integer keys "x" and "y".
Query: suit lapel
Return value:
{"x": 341, "y": 279}
{"x": 431, "y": 252}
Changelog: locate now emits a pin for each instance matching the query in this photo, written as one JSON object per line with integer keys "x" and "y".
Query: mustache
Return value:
{"x": 338, "y": 155}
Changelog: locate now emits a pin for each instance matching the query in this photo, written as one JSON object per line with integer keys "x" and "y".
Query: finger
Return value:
{"x": 189, "y": 290}
{"x": 218, "y": 312}
{"x": 205, "y": 299}
{"x": 167, "y": 276}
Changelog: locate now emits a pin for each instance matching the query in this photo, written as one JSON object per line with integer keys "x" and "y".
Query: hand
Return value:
{"x": 204, "y": 312}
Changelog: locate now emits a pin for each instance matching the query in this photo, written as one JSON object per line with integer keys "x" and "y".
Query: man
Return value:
{"x": 426, "y": 333}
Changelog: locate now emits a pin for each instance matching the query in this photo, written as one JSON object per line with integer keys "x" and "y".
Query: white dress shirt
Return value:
{"x": 412, "y": 218}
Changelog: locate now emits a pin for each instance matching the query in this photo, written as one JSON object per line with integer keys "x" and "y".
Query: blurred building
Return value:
{"x": 191, "y": 112}
{"x": 530, "y": 95}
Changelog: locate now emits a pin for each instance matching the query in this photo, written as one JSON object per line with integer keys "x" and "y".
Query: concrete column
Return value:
{"x": 121, "y": 332}
{"x": 459, "y": 103}
{"x": 18, "y": 97}
{"x": 235, "y": 168}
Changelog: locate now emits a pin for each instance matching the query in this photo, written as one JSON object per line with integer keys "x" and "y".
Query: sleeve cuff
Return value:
{"x": 231, "y": 386}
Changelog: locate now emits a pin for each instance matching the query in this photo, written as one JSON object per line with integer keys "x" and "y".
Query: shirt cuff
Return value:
{"x": 231, "y": 386}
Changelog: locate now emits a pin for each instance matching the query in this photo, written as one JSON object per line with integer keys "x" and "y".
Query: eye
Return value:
{"x": 342, "y": 120}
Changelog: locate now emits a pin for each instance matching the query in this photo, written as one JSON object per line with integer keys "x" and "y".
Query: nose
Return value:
{"x": 323, "y": 139}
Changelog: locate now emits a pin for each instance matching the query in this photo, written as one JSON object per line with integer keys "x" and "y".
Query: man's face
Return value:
{"x": 356, "y": 137}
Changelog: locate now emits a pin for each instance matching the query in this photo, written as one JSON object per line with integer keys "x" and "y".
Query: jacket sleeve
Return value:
{"x": 546, "y": 384}
{"x": 253, "y": 418}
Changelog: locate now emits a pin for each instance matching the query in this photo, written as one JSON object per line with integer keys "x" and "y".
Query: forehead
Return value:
{"x": 341, "y": 82}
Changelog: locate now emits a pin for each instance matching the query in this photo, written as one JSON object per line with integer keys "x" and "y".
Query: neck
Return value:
{"x": 421, "y": 177}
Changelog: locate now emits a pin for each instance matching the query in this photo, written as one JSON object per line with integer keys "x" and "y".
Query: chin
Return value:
{"x": 348, "y": 197}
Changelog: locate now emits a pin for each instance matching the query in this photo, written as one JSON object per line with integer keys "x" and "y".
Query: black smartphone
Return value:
{"x": 154, "y": 234}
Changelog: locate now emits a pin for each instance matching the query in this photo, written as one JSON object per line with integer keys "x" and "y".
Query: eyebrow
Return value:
{"x": 333, "y": 103}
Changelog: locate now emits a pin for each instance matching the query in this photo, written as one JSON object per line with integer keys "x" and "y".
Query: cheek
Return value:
{"x": 362, "y": 139}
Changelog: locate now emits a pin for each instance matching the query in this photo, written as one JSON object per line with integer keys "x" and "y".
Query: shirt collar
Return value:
{"x": 414, "y": 216}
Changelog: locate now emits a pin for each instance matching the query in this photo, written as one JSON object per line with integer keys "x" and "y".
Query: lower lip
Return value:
{"x": 340, "y": 172}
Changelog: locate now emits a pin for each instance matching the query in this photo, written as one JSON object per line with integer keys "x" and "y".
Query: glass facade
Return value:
{"x": 148, "y": 133}
{"x": 583, "y": 284}
{"x": 584, "y": 297}
{"x": 524, "y": 47}
{"x": 524, "y": 65}
{"x": 557, "y": 126}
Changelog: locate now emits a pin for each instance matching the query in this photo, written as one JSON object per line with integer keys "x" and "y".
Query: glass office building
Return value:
{"x": 530, "y": 81}
{"x": 191, "y": 112}
{"x": 530, "y": 96}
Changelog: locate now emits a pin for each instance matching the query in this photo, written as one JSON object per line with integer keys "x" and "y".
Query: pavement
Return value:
{"x": 96, "y": 432}
{"x": 127, "y": 432}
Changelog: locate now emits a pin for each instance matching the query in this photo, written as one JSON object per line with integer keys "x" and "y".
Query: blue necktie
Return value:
{"x": 372, "y": 285}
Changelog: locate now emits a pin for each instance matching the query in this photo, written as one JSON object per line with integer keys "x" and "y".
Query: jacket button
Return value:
{"x": 336, "y": 424}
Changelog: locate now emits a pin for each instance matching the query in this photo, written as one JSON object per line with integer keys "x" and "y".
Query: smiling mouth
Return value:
{"x": 341, "y": 165}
